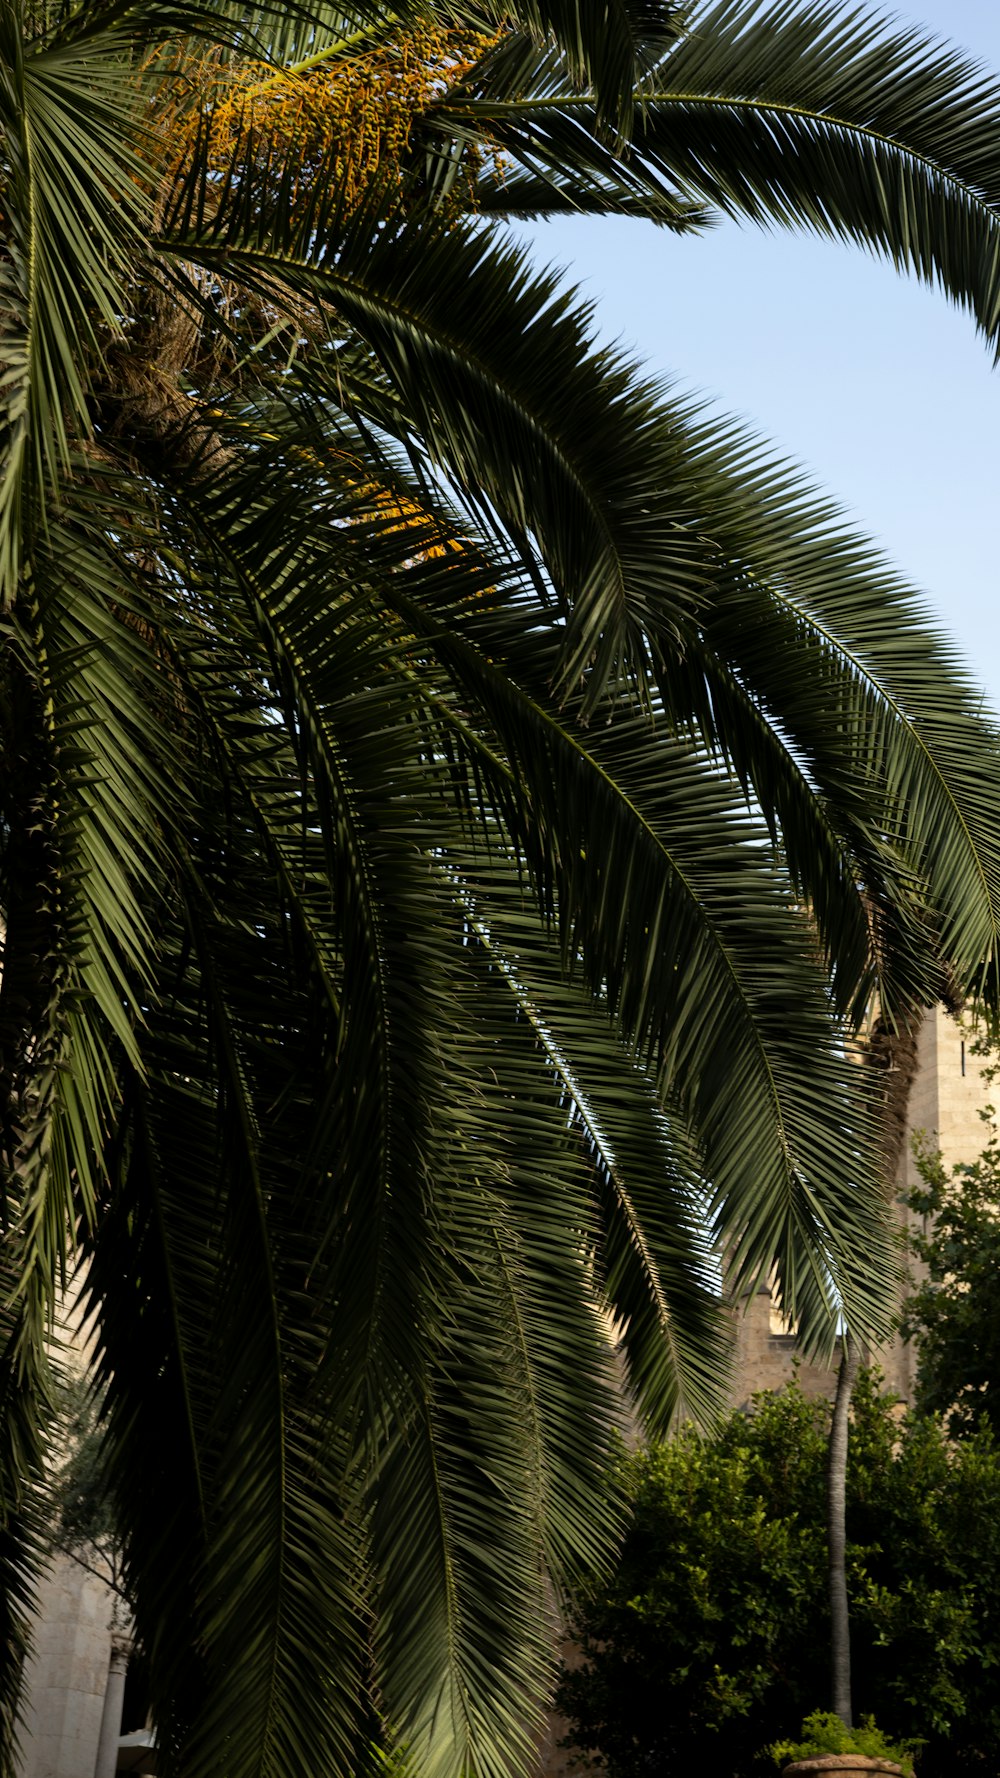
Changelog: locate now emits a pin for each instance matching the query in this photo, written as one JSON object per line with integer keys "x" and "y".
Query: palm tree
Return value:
{"x": 456, "y": 807}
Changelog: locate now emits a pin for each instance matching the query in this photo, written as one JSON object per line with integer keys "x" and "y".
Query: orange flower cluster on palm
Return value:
{"x": 353, "y": 114}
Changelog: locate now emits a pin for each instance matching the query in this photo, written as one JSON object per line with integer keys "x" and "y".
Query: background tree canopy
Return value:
{"x": 456, "y": 807}
{"x": 952, "y": 1313}
{"x": 710, "y": 1640}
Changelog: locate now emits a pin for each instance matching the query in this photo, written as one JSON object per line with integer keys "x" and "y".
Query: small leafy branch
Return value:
{"x": 80, "y": 1513}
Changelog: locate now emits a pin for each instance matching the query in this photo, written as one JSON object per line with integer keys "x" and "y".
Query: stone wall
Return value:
{"x": 66, "y": 1678}
{"x": 947, "y": 1100}
{"x": 767, "y": 1356}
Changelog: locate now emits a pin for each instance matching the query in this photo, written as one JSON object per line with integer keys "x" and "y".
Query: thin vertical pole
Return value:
{"x": 114, "y": 1700}
{"x": 836, "y": 1506}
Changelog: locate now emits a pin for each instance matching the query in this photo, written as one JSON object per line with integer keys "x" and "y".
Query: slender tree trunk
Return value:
{"x": 836, "y": 1495}
{"x": 893, "y": 1054}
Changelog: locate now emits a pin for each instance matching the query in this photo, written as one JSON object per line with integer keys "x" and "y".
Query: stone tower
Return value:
{"x": 74, "y": 1681}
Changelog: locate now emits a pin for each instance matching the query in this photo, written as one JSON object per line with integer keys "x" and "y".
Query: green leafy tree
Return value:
{"x": 78, "y": 1509}
{"x": 456, "y": 805}
{"x": 952, "y": 1315}
{"x": 710, "y": 1640}
{"x": 713, "y": 1631}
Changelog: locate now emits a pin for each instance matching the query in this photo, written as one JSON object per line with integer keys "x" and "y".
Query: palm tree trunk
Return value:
{"x": 893, "y": 1052}
{"x": 836, "y": 1491}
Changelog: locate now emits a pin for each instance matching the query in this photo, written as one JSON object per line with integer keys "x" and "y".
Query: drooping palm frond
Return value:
{"x": 671, "y": 542}
{"x": 918, "y": 782}
{"x": 370, "y": 1289}
{"x": 87, "y": 729}
{"x": 629, "y": 804}
{"x": 796, "y": 115}
{"x": 25, "y": 1413}
{"x": 75, "y": 200}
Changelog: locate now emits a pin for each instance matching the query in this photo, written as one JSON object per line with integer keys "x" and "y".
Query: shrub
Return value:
{"x": 711, "y": 1637}
{"x": 823, "y": 1732}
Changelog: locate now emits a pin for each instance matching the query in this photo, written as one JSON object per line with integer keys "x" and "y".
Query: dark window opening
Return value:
{"x": 136, "y": 1706}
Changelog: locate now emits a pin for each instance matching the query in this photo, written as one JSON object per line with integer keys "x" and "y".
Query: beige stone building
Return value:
{"x": 75, "y": 1680}
{"x": 67, "y": 1676}
{"x": 948, "y": 1100}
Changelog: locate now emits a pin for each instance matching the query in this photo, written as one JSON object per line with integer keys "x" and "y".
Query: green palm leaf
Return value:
{"x": 801, "y": 115}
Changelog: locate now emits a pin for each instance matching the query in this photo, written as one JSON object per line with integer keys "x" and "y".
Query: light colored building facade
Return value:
{"x": 74, "y": 1682}
{"x": 67, "y": 1676}
{"x": 948, "y": 1099}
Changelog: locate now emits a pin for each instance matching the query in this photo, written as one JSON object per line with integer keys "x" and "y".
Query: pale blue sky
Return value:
{"x": 882, "y": 390}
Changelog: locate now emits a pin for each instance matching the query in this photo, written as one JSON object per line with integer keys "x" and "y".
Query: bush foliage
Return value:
{"x": 824, "y": 1732}
{"x": 953, "y": 1314}
{"x": 710, "y": 1639}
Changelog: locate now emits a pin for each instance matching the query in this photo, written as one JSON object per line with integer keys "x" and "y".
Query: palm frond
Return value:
{"x": 648, "y": 1232}
{"x": 84, "y": 852}
{"x": 487, "y": 388}
{"x": 609, "y": 52}
{"x": 592, "y": 793}
{"x": 25, "y": 1414}
{"x": 799, "y": 115}
{"x": 917, "y": 781}
{"x": 77, "y": 212}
